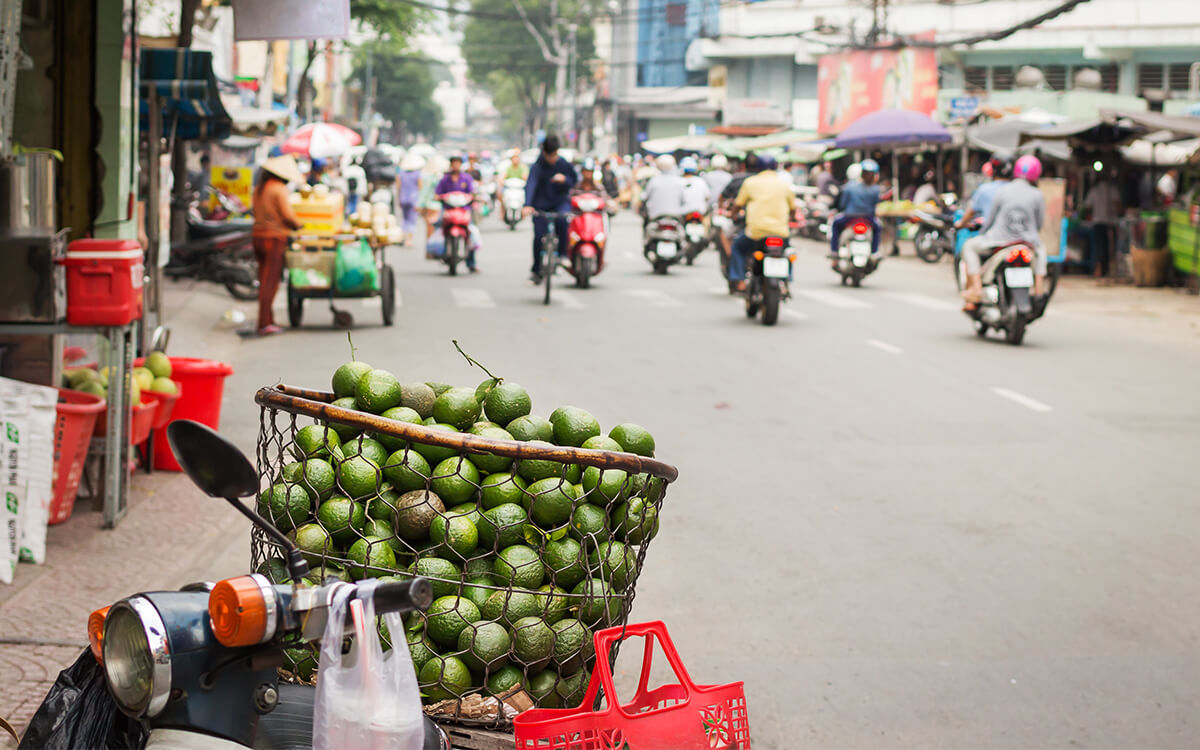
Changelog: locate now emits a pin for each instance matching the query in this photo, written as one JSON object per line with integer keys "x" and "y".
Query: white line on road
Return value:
{"x": 795, "y": 314}
{"x": 920, "y": 300}
{"x": 568, "y": 299}
{"x": 655, "y": 297}
{"x": 1023, "y": 400}
{"x": 884, "y": 346}
{"x": 478, "y": 298}
{"x": 372, "y": 303}
{"x": 718, "y": 290}
{"x": 834, "y": 299}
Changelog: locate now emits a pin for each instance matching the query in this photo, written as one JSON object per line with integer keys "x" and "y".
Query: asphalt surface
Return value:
{"x": 897, "y": 534}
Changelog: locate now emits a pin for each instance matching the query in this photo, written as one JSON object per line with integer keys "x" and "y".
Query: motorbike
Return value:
{"x": 1008, "y": 303}
{"x": 855, "y": 261}
{"x": 221, "y": 251}
{"x": 456, "y": 228}
{"x": 586, "y": 238}
{"x": 485, "y": 196}
{"x": 514, "y": 200}
{"x": 196, "y": 668}
{"x": 935, "y": 234}
{"x": 768, "y": 270}
{"x": 663, "y": 237}
{"x": 697, "y": 237}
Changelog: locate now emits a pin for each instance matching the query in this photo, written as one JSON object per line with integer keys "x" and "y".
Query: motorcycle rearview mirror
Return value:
{"x": 218, "y": 468}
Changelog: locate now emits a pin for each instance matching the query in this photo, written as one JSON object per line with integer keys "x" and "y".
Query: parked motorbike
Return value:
{"x": 768, "y": 270}
{"x": 456, "y": 228}
{"x": 935, "y": 234}
{"x": 695, "y": 234}
{"x": 196, "y": 668}
{"x": 1008, "y": 303}
{"x": 663, "y": 238}
{"x": 218, "y": 251}
{"x": 586, "y": 238}
{"x": 514, "y": 200}
{"x": 855, "y": 261}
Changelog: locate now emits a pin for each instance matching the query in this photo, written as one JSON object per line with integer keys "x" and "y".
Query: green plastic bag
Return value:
{"x": 354, "y": 269}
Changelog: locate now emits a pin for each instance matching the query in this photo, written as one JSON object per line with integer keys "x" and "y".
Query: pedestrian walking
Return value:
{"x": 274, "y": 220}
{"x": 410, "y": 193}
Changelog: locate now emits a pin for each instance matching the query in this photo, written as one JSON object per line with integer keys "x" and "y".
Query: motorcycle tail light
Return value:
{"x": 1020, "y": 255}
{"x": 243, "y": 611}
{"x": 774, "y": 242}
{"x": 758, "y": 254}
{"x": 861, "y": 227}
{"x": 914, "y": 220}
{"x": 96, "y": 633}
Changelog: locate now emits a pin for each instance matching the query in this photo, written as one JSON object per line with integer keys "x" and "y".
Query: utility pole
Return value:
{"x": 573, "y": 58}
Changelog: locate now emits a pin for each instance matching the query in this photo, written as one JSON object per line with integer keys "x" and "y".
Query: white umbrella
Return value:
{"x": 321, "y": 140}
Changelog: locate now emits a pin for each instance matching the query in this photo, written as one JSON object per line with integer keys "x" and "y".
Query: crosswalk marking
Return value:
{"x": 567, "y": 299}
{"x": 475, "y": 298}
{"x": 1029, "y": 403}
{"x": 920, "y": 300}
{"x": 834, "y": 299}
{"x": 884, "y": 346}
{"x": 654, "y": 297}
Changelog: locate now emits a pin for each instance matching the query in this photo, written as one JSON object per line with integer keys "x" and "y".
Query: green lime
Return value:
{"x": 285, "y": 505}
{"x": 372, "y": 557}
{"x": 314, "y": 542}
{"x": 315, "y": 441}
{"x": 377, "y": 391}
{"x": 541, "y": 686}
{"x": 572, "y": 689}
{"x": 457, "y": 407}
{"x": 599, "y": 606}
{"x": 589, "y": 524}
{"x": 520, "y": 566}
{"x": 421, "y": 648}
{"x": 456, "y": 534}
{"x": 484, "y": 388}
{"x": 504, "y": 679}
{"x": 301, "y": 662}
{"x": 506, "y": 402}
{"x": 490, "y": 463}
{"x": 616, "y": 562}
{"x": 573, "y": 425}
{"x": 346, "y": 377}
{"x": 530, "y": 427}
{"x": 510, "y": 606}
{"x": 635, "y": 521}
{"x": 553, "y": 602}
{"x": 343, "y": 518}
{"x": 573, "y": 645}
{"x": 415, "y": 512}
{"x": 274, "y": 568}
{"x": 407, "y": 470}
{"x": 444, "y": 678}
{"x": 383, "y": 506}
{"x": 604, "y": 486}
{"x": 501, "y": 488}
{"x": 474, "y": 589}
{"x": 484, "y": 645}
{"x": 480, "y": 426}
{"x": 435, "y": 454}
{"x": 468, "y": 509}
{"x": 533, "y": 469}
{"x": 397, "y": 414}
{"x": 480, "y": 565}
{"x": 564, "y": 561}
{"x": 418, "y": 397}
{"x": 437, "y": 388}
{"x": 502, "y": 526}
{"x": 455, "y": 480}
{"x": 344, "y": 431}
{"x": 366, "y": 447}
{"x": 602, "y": 443}
{"x": 634, "y": 439}
{"x": 382, "y": 528}
{"x": 318, "y": 477}
{"x": 359, "y": 476}
{"x": 442, "y": 574}
{"x": 447, "y": 617}
{"x": 532, "y": 641}
{"x": 552, "y": 501}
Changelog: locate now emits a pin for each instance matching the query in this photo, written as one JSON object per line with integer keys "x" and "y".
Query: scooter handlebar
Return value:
{"x": 403, "y": 596}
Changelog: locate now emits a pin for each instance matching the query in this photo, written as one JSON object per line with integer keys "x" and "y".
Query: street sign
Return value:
{"x": 963, "y": 107}
{"x": 699, "y": 130}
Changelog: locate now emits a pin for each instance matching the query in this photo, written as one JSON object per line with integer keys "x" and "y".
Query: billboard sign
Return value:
{"x": 858, "y": 82}
{"x": 753, "y": 112}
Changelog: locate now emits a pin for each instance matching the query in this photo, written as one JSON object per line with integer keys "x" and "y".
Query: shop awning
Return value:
{"x": 191, "y": 105}
{"x": 694, "y": 143}
{"x": 743, "y": 130}
{"x": 1181, "y": 126}
{"x": 1149, "y": 152}
{"x": 801, "y": 145}
{"x": 1003, "y": 137}
{"x": 1084, "y": 132}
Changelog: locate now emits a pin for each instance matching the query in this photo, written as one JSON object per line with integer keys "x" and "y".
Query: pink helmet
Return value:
{"x": 1028, "y": 167}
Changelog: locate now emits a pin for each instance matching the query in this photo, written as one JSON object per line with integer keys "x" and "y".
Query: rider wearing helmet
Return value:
{"x": 587, "y": 178}
{"x": 981, "y": 200}
{"x": 697, "y": 197}
{"x": 664, "y": 193}
{"x": 1016, "y": 215}
{"x": 768, "y": 203}
{"x": 857, "y": 201}
{"x": 718, "y": 175}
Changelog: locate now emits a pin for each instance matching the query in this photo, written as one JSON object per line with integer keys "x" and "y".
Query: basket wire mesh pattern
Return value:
{"x": 530, "y": 548}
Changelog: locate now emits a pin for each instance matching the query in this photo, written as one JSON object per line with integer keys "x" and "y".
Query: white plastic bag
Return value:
{"x": 36, "y": 407}
{"x": 366, "y": 699}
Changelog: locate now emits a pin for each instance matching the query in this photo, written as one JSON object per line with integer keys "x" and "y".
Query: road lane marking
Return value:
{"x": 475, "y": 298}
{"x": 834, "y": 299}
{"x": 372, "y": 303}
{"x": 884, "y": 346}
{"x": 1023, "y": 400}
{"x": 568, "y": 300}
{"x": 723, "y": 290}
{"x": 655, "y": 297}
{"x": 795, "y": 314}
{"x": 920, "y": 300}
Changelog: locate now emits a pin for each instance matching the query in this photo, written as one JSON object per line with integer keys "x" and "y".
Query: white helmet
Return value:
{"x": 718, "y": 161}
{"x": 854, "y": 172}
{"x": 665, "y": 163}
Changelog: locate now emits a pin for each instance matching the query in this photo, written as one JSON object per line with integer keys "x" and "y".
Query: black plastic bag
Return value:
{"x": 79, "y": 714}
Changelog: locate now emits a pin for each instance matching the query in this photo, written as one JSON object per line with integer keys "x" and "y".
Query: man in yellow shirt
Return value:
{"x": 769, "y": 203}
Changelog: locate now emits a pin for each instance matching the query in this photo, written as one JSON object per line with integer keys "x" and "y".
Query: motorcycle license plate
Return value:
{"x": 776, "y": 268}
{"x": 860, "y": 249}
{"x": 1018, "y": 278}
{"x": 667, "y": 249}
{"x": 695, "y": 232}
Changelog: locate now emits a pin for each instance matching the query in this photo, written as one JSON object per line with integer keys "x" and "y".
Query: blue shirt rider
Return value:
{"x": 548, "y": 189}
{"x": 857, "y": 201}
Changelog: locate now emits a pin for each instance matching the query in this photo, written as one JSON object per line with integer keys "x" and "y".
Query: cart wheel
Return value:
{"x": 295, "y": 307}
{"x": 343, "y": 319}
{"x": 387, "y": 291}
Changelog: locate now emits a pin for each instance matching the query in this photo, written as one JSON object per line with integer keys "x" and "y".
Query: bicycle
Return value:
{"x": 550, "y": 247}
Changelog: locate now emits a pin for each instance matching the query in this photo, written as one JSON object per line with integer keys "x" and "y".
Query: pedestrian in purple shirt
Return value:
{"x": 458, "y": 181}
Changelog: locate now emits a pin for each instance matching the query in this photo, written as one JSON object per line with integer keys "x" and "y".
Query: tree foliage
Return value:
{"x": 404, "y": 87}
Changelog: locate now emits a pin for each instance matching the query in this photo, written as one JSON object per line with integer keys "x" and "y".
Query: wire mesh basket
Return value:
{"x": 530, "y": 547}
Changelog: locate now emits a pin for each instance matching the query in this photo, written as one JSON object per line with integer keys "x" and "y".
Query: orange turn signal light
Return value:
{"x": 96, "y": 633}
{"x": 240, "y": 613}
{"x": 792, "y": 257}
{"x": 758, "y": 254}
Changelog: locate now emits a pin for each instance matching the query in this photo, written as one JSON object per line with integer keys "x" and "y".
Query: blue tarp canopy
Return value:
{"x": 191, "y": 106}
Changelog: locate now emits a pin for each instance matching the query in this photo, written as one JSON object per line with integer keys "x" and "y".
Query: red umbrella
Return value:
{"x": 320, "y": 140}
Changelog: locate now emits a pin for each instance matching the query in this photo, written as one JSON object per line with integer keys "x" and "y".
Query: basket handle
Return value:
{"x": 604, "y": 640}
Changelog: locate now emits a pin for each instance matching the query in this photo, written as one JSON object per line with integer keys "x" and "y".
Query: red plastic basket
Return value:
{"x": 201, "y": 386}
{"x": 685, "y": 716}
{"x": 166, "y": 406}
{"x": 141, "y": 420}
{"x": 77, "y": 414}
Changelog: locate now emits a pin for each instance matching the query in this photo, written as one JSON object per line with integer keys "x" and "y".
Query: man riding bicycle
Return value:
{"x": 548, "y": 189}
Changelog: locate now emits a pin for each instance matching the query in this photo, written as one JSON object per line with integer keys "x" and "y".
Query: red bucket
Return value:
{"x": 77, "y": 414}
{"x": 201, "y": 388}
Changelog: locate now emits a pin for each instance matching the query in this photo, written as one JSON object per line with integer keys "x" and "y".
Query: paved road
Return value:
{"x": 897, "y": 534}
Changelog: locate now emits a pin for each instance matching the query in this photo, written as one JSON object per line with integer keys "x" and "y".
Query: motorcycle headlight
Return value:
{"x": 137, "y": 662}
{"x": 573, "y": 236}
{"x": 600, "y": 238}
